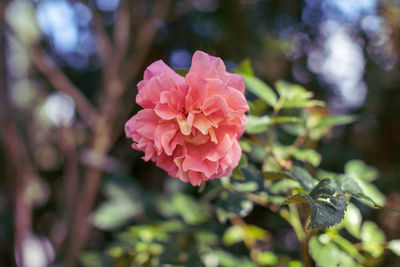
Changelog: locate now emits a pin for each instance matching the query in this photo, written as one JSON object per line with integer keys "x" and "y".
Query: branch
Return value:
{"x": 103, "y": 40}
{"x": 19, "y": 169}
{"x": 61, "y": 83}
{"x": 103, "y": 131}
{"x": 144, "y": 39}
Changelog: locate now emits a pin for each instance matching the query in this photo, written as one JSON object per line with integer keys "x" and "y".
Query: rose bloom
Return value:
{"x": 190, "y": 125}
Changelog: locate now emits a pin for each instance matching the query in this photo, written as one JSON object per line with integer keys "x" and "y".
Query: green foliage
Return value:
{"x": 295, "y": 96}
{"x": 279, "y": 171}
{"x": 122, "y": 205}
{"x": 373, "y": 239}
{"x": 260, "y": 89}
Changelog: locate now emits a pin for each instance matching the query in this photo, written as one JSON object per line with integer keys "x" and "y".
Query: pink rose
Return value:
{"x": 190, "y": 125}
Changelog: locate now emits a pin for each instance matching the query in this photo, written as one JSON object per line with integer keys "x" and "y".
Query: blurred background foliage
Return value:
{"x": 72, "y": 190}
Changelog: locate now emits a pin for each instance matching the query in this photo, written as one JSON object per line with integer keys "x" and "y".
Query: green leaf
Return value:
{"x": 352, "y": 220}
{"x": 238, "y": 233}
{"x": 372, "y": 239}
{"x": 243, "y": 163}
{"x": 351, "y": 185}
{"x": 257, "y": 107}
{"x": 284, "y": 186}
{"x": 324, "y": 254}
{"x": 273, "y": 176}
{"x": 345, "y": 245}
{"x": 295, "y": 96}
{"x": 361, "y": 170}
{"x": 251, "y": 181}
{"x": 181, "y": 72}
{"x": 267, "y": 258}
{"x": 122, "y": 204}
{"x": 327, "y": 254}
{"x": 286, "y": 119}
{"x": 334, "y": 120}
{"x": 233, "y": 235}
{"x": 189, "y": 209}
{"x": 326, "y": 201}
{"x": 225, "y": 259}
{"x": 254, "y": 232}
{"x": 304, "y": 178}
{"x": 394, "y": 246}
{"x": 307, "y": 155}
{"x": 324, "y": 125}
{"x": 245, "y": 68}
{"x": 260, "y": 89}
{"x": 245, "y": 145}
{"x": 257, "y": 124}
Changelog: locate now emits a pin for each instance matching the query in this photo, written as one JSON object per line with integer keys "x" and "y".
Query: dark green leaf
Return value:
{"x": 326, "y": 201}
{"x": 243, "y": 163}
{"x": 181, "y": 72}
{"x": 232, "y": 204}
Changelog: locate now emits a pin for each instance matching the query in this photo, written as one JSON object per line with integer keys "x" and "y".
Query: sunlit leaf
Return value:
{"x": 352, "y": 220}
{"x": 327, "y": 254}
{"x": 361, "y": 170}
{"x": 325, "y": 124}
{"x": 394, "y": 246}
{"x": 295, "y": 96}
{"x": 346, "y": 245}
{"x": 284, "y": 186}
{"x": 257, "y": 124}
{"x": 233, "y": 235}
{"x": 267, "y": 258}
{"x": 307, "y": 155}
{"x": 285, "y": 119}
{"x": 352, "y": 185}
{"x": 260, "y": 89}
{"x": 372, "y": 239}
{"x": 245, "y": 68}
